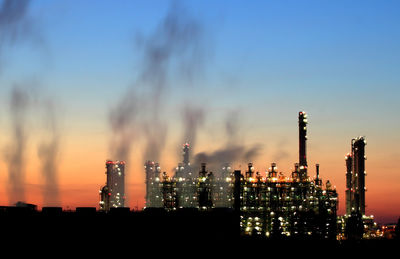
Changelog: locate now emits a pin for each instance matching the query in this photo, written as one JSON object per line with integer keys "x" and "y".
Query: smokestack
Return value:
{"x": 302, "y": 144}
{"x": 349, "y": 185}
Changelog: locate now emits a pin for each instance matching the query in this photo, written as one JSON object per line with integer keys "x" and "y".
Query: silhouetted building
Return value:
{"x": 21, "y": 204}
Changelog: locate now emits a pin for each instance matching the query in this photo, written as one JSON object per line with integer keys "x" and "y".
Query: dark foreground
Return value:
{"x": 122, "y": 229}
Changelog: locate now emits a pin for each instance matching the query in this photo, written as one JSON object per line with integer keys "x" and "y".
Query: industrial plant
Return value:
{"x": 229, "y": 203}
{"x": 269, "y": 204}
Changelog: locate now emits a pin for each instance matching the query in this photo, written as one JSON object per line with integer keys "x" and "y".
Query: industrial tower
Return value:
{"x": 302, "y": 145}
{"x": 112, "y": 195}
{"x": 355, "y": 177}
{"x": 153, "y": 191}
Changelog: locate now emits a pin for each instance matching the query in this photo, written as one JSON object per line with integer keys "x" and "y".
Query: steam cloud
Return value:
{"x": 173, "y": 48}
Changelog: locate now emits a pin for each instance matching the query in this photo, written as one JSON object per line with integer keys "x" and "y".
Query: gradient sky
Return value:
{"x": 266, "y": 60}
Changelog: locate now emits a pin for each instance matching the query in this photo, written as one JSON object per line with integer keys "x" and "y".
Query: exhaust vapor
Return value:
{"x": 173, "y": 49}
{"x": 48, "y": 151}
{"x": 233, "y": 150}
{"x": 16, "y": 26}
{"x": 20, "y": 100}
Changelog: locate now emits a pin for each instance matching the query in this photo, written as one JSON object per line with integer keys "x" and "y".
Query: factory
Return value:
{"x": 269, "y": 204}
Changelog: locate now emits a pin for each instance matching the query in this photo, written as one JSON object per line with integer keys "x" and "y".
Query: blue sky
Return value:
{"x": 286, "y": 45}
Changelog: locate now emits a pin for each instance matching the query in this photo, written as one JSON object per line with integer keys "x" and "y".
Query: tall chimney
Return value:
{"x": 349, "y": 185}
{"x": 302, "y": 144}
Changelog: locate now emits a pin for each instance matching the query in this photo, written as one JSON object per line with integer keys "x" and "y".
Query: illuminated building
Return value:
{"x": 222, "y": 187}
{"x": 277, "y": 206}
{"x": 186, "y": 182}
{"x": 270, "y": 204}
{"x": 153, "y": 185}
{"x": 169, "y": 195}
{"x": 112, "y": 195}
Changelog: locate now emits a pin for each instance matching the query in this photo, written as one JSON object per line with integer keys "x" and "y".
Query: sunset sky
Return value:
{"x": 252, "y": 64}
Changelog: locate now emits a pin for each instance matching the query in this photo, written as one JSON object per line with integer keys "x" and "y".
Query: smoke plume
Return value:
{"x": 173, "y": 49}
{"x": 281, "y": 152}
{"x": 15, "y": 24}
{"x": 193, "y": 119}
{"x": 123, "y": 119}
{"x": 48, "y": 151}
{"x": 20, "y": 100}
{"x": 233, "y": 150}
{"x": 13, "y": 20}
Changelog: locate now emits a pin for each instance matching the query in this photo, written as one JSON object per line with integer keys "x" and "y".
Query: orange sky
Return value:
{"x": 82, "y": 168}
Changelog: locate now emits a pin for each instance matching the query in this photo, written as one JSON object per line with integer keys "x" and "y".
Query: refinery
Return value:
{"x": 229, "y": 203}
{"x": 270, "y": 205}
